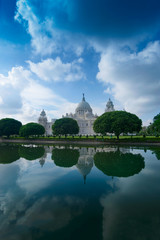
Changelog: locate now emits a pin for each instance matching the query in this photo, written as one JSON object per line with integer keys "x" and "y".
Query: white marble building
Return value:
{"x": 109, "y": 106}
{"x": 83, "y": 115}
{"x": 44, "y": 122}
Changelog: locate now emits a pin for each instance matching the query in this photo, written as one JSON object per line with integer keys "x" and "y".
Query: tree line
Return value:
{"x": 116, "y": 122}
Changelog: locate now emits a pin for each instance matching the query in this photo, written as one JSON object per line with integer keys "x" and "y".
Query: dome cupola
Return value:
{"x": 83, "y": 107}
{"x": 109, "y": 106}
{"x": 42, "y": 118}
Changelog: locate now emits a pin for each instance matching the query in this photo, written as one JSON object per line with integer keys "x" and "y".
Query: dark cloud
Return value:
{"x": 103, "y": 18}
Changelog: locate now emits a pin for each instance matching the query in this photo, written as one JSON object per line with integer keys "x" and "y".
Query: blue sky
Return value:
{"x": 53, "y": 51}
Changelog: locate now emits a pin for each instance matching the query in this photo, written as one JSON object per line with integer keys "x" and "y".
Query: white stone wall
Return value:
{"x": 48, "y": 127}
{"x": 85, "y": 126}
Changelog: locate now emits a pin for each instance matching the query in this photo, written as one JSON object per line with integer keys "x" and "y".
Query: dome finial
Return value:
{"x": 83, "y": 99}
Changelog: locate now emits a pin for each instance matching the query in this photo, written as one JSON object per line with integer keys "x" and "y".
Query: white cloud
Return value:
{"x": 23, "y": 97}
{"x": 39, "y": 32}
{"x": 57, "y": 71}
{"x": 133, "y": 78}
{"x": 10, "y": 89}
{"x": 45, "y": 38}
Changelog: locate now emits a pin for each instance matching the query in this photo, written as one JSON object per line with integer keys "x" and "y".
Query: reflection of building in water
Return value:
{"x": 85, "y": 161}
{"x": 42, "y": 160}
{"x": 48, "y": 149}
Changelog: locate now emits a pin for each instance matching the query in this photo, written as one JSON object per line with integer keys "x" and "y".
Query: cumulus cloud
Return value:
{"x": 133, "y": 78}
{"x": 39, "y": 32}
{"x": 99, "y": 18}
{"x": 57, "y": 71}
{"x": 68, "y": 27}
{"x": 27, "y": 179}
{"x": 23, "y": 95}
{"x": 10, "y": 89}
{"x": 46, "y": 38}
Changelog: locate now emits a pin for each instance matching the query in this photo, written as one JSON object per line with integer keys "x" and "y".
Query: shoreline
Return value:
{"x": 82, "y": 142}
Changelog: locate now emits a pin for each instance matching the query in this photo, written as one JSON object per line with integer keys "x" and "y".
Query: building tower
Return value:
{"x": 43, "y": 119}
{"x": 109, "y": 106}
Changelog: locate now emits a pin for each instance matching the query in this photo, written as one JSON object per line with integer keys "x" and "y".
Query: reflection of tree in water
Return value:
{"x": 156, "y": 151}
{"x": 65, "y": 157}
{"x": 9, "y": 153}
{"x": 31, "y": 153}
{"x": 119, "y": 164}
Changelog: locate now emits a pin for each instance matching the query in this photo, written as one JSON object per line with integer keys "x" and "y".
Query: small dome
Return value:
{"x": 43, "y": 113}
{"x": 83, "y": 106}
{"x": 84, "y": 166}
{"x": 42, "y": 117}
{"x": 109, "y": 106}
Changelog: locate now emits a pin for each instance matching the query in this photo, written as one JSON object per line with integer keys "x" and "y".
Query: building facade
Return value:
{"x": 44, "y": 122}
{"x": 83, "y": 115}
{"x": 109, "y": 106}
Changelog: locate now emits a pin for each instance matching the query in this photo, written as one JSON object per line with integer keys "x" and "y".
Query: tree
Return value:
{"x": 65, "y": 126}
{"x": 117, "y": 122}
{"x": 157, "y": 117}
{"x": 31, "y": 129}
{"x": 9, "y": 126}
{"x": 156, "y": 124}
{"x": 150, "y": 129}
{"x": 144, "y": 131}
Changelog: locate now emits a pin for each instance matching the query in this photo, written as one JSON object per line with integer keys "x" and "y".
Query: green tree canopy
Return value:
{"x": 9, "y": 126}
{"x": 31, "y": 153}
{"x": 155, "y": 150}
{"x": 31, "y": 129}
{"x": 157, "y": 117}
{"x": 117, "y": 122}
{"x": 9, "y": 153}
{"x": 65, "y": 126}
{"x": 156, "y": 123}
{"x": 65, "y": 157}
{"x": 119, "y": 164}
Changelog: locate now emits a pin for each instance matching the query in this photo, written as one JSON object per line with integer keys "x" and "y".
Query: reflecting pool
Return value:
{"x": 71, "y": 192}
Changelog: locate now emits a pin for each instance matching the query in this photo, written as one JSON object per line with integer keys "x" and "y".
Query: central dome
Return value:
{"x": 83, "y": 106}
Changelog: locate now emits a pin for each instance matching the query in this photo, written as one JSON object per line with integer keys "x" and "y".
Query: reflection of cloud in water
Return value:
{"x": 52, "y": 213}
{"x": 133, "y": 212}
{"x": 21, "y": 209}
{"x": 33, "y": 178}
{"x": 45, "y": 214}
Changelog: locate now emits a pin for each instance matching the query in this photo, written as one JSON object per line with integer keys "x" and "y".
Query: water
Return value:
{"x": 54, "y": 192}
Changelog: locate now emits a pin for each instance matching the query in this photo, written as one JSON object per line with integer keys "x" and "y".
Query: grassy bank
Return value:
{"x": 87, "y": 140}
{"x": 97, "y": 138}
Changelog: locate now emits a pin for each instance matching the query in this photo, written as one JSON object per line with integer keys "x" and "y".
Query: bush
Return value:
{"x": 31, "y": 129}
{"x": 9, "y": 126}
{"x": 65, "y": 126}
